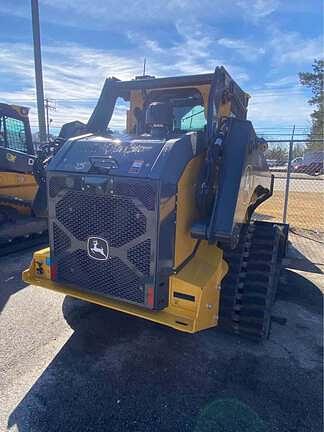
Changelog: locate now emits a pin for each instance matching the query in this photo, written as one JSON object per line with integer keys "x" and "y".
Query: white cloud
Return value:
{"x": 289, "y": 80}
{"x": 193, "y": 53}
{"x": 293, "y": 48}
{"x": 73, "y": 74}
{"x": 153, "y": 46}
{"x": 277, "y": 109}
{"x": 258, "y": 9}
{"x": 140, "y": 13}
{"x": 247, "y": 50}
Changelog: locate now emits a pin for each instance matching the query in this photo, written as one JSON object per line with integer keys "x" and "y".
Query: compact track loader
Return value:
{"x": 23, "y": 202}
{"x": 18, "y": 186}
{"x": 156, "y": 222}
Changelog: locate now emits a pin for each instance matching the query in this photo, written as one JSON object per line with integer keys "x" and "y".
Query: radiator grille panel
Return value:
{"x": 61, "y": 240}
{"x": 55, "y": 185}
{"x": 139, "y": 255}
{"x": 124, "y": 219}
{"x": 111, "y": 277}
{"x": 143, "y": 191}
{"x": 114, "y": 218}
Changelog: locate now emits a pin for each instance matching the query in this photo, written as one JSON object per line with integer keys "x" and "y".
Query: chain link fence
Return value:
{"x": 298, "y": 196}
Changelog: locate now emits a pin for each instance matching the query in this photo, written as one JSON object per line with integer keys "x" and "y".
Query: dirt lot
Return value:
{"x": 305, "y": 209}
{"x": 305, "y": 204}
{"x": 111, "y": 372}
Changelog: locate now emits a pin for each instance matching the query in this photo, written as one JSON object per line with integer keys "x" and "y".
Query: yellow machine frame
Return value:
{"x": 193, "y": 291}
{"x": 18, "y": 185}
{"x": 193, "y": 295}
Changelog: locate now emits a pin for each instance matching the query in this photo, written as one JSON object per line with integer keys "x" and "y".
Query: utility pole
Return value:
{"x": 38, "y": 71}
{"x": 144, "y": 66}
{"x": 49, "y": 107}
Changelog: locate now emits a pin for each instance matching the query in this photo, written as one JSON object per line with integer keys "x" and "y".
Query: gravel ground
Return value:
{"x": 91, "y": 369}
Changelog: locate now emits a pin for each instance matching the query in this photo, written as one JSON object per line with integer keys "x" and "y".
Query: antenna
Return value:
{"x": 144, "y": 66}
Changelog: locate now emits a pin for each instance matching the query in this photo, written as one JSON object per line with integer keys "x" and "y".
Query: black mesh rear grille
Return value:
{"x": 61, "y": 240}
{"x": 143, "y": 191}
{"x": 122, "y": 219}
{"x": 140, "y": 256}
{"x": 111, "y": 277}
{"x": 116, "y": 219}
{"x": 55, "y": 185}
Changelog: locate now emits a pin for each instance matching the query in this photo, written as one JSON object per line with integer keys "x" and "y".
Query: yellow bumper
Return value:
{"x": 193, "y": 295}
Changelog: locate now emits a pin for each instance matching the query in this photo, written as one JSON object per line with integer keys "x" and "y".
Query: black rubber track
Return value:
{"x": 22, "y": 243}
{"x": 16, "y": 201}
{"x": 249, "y": 289}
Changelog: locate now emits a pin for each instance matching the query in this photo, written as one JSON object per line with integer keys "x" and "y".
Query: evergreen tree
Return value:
{"x": 315, "y": 81}
{"x": 277, "y": 153}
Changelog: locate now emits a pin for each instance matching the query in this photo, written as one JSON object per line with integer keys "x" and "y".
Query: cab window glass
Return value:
{"x": 190, "y": 118}
{"x": 12, "y": 134}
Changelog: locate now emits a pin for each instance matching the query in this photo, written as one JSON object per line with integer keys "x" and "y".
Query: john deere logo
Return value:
{"x": 98, "y": 248}
{"x": 11, "y": 157}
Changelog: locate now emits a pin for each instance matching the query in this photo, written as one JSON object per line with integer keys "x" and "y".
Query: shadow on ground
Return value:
{"x": 301, "y": 291}
{"x": 121, "y": 373}
{"x": 10, "y": 274}
{"x": 299, "y": 261}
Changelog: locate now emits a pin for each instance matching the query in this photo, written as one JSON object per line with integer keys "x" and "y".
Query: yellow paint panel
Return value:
{"x": 18, "y": 185}
{"x": 224, "y": 109}
{"x": 186, "y": 210}
{"x": 200, "y": 278}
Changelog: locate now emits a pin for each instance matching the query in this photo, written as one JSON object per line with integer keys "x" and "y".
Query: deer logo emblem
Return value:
{"x": 98, "y": 248}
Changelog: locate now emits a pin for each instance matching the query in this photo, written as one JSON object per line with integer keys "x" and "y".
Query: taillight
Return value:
{"x": 53, "y": 271}
{"x": 150, "y": 296}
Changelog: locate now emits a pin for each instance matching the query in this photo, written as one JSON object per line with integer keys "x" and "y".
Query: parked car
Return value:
{"x": 272, "y": 162}
{"x": 296, "y": 163}
{"x": 311, "y": 163}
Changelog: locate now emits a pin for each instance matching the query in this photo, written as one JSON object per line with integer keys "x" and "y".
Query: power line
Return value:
{"x": 258, "y": 94}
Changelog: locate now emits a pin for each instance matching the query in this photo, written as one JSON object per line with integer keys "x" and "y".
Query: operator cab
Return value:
{"x": 171, "y": 112}
{"x": 17, "y": 151}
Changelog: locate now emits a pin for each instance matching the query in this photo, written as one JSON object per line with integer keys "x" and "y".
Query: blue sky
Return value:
{"x": 263, "y": 44}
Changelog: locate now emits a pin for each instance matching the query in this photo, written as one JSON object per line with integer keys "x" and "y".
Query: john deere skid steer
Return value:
{"x": 18, "y": 185}
{"x": 156, "y": 222}
{"x": 23, "y": 200}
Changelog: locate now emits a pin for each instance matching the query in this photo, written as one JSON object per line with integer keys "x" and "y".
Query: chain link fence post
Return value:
{"x": 290, "y": 157}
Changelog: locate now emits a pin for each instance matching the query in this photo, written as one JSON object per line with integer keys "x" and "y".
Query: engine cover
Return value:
{"x": 112, "y": 230}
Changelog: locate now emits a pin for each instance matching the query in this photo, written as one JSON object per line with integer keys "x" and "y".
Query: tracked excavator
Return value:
{"x": 157, "y": 222}
{"x": 23, "y": 202}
